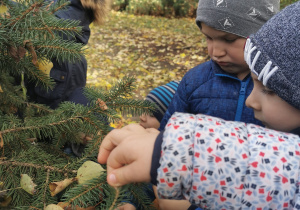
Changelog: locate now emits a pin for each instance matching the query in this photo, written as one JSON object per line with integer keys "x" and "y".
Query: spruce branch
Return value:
{"x": 46, "y": 27}
{"x": 54, "y": 124}
{"x": 122, "y": 89}
{"x": 93, "y": 189}
{"x": 3, "y": 191}
{"x": 31, "y": 165}
{"x": 59, "y": 7}
{"x": 33, "y": 7}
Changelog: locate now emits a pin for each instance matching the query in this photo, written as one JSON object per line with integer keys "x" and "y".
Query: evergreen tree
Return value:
{"x": 34, "y": 169}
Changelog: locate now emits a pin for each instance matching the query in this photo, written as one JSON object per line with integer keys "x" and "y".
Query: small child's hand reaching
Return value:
{"x": 128, "y": 154}
{"x": 126, "y": 206}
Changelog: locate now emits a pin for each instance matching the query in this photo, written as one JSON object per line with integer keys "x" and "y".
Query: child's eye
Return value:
{"x": 208, "y": 38}
{"x": 230, "y": 40}
{"x": 267, "y": 91}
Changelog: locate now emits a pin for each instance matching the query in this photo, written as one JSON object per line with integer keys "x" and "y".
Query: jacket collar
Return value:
{"x": 220, "y": 72}
{"x": 296, "y": 131}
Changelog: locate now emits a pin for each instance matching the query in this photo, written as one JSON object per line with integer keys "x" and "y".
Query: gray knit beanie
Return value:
{"x": 239, "y": 17}
{"x": 273, "y": 54}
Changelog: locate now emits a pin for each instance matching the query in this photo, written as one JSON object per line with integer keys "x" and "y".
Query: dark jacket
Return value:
{"x": 67, "y": 76}
{"x": 207, "y": 89}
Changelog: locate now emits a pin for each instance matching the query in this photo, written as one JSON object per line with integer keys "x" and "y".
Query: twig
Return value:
{"x": 46, "y": 184}
{"x": 116, "y": 197}
{"x": 10, "y": 189}
{"x": 14, "y": 163}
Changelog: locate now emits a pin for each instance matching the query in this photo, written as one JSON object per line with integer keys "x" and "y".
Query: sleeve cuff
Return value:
{"x": 155, "y": 158}
{"x": 193, "y": 207}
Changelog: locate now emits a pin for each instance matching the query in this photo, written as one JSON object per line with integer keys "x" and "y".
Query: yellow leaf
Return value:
{"x": 45, "y": 66}
{"x": 172, "y": 74}
{"x": 27, "y": 184}
{"x": 53, "y": 207}
{"x": 88, "y": 171}
{"x": 3, "y": 9}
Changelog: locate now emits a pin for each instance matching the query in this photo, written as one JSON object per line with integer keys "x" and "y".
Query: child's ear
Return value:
{"x": 199, "y": 24}
{"x": 245, "y": 42}
{"x": 100, "y": 9}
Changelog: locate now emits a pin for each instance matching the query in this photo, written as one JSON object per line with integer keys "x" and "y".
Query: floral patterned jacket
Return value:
{"x": 219, "y": 164}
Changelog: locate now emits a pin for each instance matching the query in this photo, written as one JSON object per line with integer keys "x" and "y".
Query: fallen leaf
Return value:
{"x": 57, "y": 187}
{"x": 27, "y": 184}
{"x": 53, "y": 207}
{"x": 88, "y": 171}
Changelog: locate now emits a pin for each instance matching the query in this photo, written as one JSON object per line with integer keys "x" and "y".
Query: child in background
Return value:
{"x": 161, "y": 97}
{"x": 218, "y": 164}
{"x": 220, "y": 86}
{"x": 70, "y": 77}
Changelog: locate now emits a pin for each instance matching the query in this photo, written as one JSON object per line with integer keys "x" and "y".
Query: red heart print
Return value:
{"x": 203, "y": 178}
{"x": 254, "y": 164}
{"x": 218, "y": 159}
{"x": 222, "y": 198}
{"x": 269, "y": 198}
{"x": 184, "y": 168}
{"x": 170, "y": 184}
{"x": 284, "y": 179}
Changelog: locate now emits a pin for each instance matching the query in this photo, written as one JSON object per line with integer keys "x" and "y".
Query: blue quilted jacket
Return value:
{"x": 207, "y": 89}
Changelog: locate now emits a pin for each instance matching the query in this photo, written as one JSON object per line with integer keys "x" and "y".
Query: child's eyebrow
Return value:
{"x": 203, "y": 32}
{"x": 223, "y": 36}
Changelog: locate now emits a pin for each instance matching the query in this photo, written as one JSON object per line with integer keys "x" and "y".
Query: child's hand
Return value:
{"x": 126, "y": 206}
{"x": 85, "y": 138}
{"x": 128, "y": 154}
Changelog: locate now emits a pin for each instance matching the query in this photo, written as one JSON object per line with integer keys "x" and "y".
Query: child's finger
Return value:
{"x": 111, "y": 140}
{"x": 115, "y": 137}
{"x": 130, "y": 161}
{"x": 134, "y": 128}
{"x": 152, "y": 130}
{"x": 128, "y": 174}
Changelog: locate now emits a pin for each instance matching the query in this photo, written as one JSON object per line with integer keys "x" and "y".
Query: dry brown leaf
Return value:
{"x": 17, "y": 53}
{"x": 102, "y": 104}
{"x": 57, "y": 187}
{"x": 1, "y": 142}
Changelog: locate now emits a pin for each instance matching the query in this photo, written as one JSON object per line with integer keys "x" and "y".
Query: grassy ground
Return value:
{"x": 154, "y": 50}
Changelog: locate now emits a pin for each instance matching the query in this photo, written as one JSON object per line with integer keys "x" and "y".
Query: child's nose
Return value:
{"x": 218, "y": 49}
{"x": 252, "y": 101}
